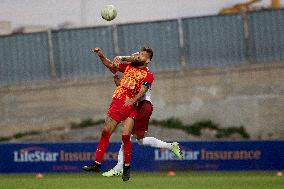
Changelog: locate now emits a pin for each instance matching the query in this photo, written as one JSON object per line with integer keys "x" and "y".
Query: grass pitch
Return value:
{"x": 182, "y": 180}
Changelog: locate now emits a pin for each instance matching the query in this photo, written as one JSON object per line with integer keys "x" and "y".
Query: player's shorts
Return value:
{"x": 119, "y": 112}
{"x": 141, "y": 122}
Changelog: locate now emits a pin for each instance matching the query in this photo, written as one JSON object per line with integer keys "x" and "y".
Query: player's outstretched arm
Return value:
{"x": 112, "y": 67}
{"x": 127, "y": 58}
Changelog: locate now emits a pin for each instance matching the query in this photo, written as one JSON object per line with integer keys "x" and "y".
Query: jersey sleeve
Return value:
{"x": 122, "y": 66}
{"x": 148, "y": 80}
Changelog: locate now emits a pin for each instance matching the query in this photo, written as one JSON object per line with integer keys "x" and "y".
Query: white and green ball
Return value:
{"x": 109, "y": 12}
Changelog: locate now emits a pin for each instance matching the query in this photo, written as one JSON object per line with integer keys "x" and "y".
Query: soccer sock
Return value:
{"x": 153, "y": 142}
{"x": 119, "y": 165}
{"x": 102, "y": 146}
{"x": 127, "y": 149}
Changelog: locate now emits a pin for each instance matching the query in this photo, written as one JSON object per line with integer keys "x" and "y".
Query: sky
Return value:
{"x": 52, "y": 13}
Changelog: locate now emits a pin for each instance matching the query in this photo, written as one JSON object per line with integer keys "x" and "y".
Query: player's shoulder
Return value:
{"x": 149, "y": 73}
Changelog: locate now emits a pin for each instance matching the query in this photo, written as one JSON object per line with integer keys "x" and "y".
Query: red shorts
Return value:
{"x": 141, "y": 122}
{"x": 119, "y": 112}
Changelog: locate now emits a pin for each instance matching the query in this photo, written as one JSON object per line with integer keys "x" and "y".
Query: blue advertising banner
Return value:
{"x": 70, "y": 157}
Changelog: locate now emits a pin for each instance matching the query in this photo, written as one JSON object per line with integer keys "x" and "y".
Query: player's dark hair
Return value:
{"x": 149, "y": 51}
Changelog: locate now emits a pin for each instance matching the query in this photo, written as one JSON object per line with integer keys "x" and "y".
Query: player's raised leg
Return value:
{"x": 156, "y": 143}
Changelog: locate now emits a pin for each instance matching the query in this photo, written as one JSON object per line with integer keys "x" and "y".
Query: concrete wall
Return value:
{"x": 250, "y": 95}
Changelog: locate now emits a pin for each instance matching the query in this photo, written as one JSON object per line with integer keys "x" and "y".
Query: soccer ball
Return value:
{"x": 108, "y": 12}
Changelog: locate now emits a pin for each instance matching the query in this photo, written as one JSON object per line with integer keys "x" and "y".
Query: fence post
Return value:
{"x": 247, "y": 36}
{"x": 115, "y": 40}
{"x": 51, "y": 55}
{"x": 181, "y": 45}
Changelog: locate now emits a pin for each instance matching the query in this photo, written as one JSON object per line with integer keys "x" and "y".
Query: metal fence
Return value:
{"x": 266, "y": 40}
{"x": 24, "y": 58}
{"x": 72, "y": 56}
{"x": 214, "y": 41}
{"x": 177, "y": 44}
{"x": 161, "y": 36}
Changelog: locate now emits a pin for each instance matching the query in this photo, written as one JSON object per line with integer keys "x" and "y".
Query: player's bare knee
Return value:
{"x": 110, "y": 125}
{"x": 128, "y": 126}
{"x": 107, "y": 128}
{"x": 126, "y": 132}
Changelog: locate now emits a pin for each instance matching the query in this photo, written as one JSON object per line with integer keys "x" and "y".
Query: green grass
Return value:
{"x": 182, "y": 180}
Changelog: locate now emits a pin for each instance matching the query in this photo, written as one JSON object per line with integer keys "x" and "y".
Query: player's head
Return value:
{"x": 143, "y": 57}
{"x": 148, "y": 52}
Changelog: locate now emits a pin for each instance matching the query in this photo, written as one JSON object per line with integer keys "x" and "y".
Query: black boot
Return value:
{"x": 94, "y": 167}
{"x": 126, "y": 173}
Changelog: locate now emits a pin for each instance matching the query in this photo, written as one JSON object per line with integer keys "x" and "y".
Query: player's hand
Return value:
{"x": 95, "y": 50}
{"x": 116, "y": 61}
{"x": 129, "y": 102}
{"x": 98, "y": 51}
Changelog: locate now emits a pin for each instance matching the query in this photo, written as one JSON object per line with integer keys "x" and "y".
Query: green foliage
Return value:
{"x": 223, "y": 133}
{"x": 3, "y": 139}
{"x": 171, "y": 123}
{"x": 83, "y": 124}
{"x": 86, "y": 123}
{"x": 28, "y": 133}
{"x": 19, "y": 135}
{"x": 196, "y": 128}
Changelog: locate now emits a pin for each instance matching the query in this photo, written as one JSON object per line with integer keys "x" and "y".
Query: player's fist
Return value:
{"x": 95, "y": 50}
{"x": 98, "y": 51}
